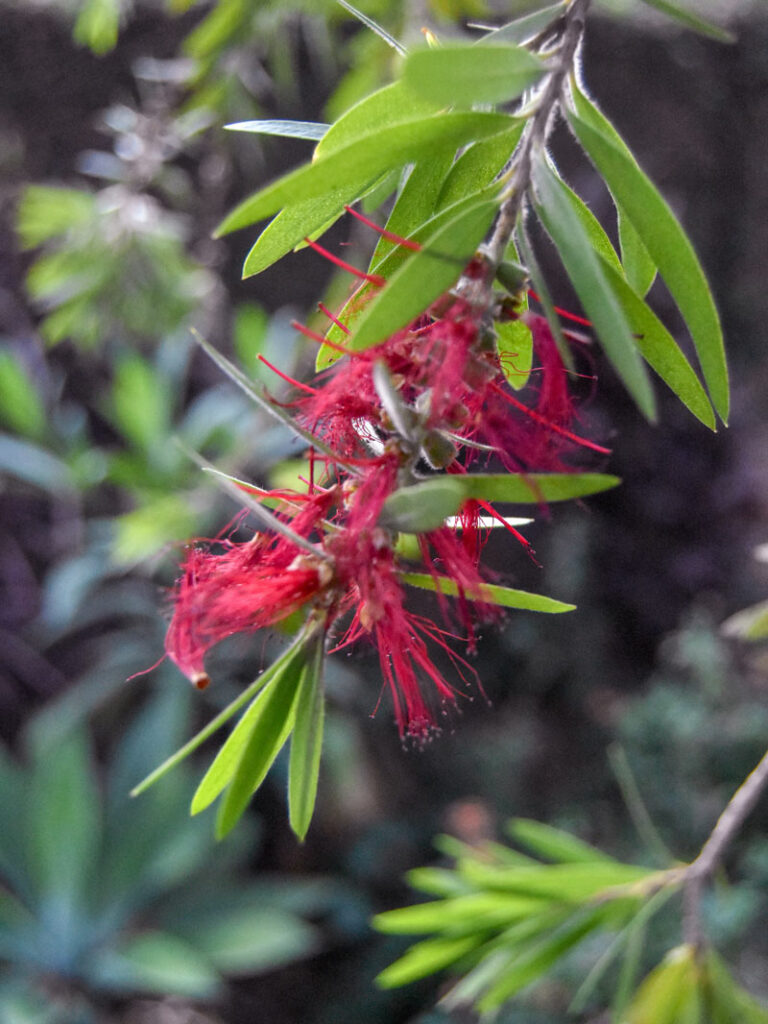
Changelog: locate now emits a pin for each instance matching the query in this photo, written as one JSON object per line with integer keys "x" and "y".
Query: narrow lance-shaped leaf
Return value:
{"x": 269, "y": 729}
{"x": 272, "y": 703}
{"x": 312, "y": 130}
{"x": 463, "y": 75}
{"x": 424, "y": 277}
{"x": 216, "y": 723}
{"x": 428, "y": 957}
{"x": 670, "y": 249}
{"x": 307, "y": 741}
{"x": 542, "y": 292}
{"x": 655, "y": 343}
{"x": 489, "y": 593}
{"x": 528, "y": 27}
{"x": 363, "y": 160}
{"x": 395, "y": 260}
{"x": 585, "y": 269}
{"x": 479, "y": 164}
{"x": 373, "y": 26}
{"x": 554, "y": 843}
{"x": 638, "y": 265}
{"x": 691, "y": 20}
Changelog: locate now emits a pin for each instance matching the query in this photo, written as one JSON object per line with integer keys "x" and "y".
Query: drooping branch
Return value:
{"x": 730, "y": 821}
{"x": 536, "y": 132}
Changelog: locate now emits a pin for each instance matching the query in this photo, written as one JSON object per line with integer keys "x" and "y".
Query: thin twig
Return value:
{"x": 730, "y": 821}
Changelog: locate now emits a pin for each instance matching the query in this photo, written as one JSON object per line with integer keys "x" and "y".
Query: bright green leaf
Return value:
{"x": 141, "y": 402}
{"x": 268, "y": 729}
{"x": 307, "y": 741}
{"x": 287, "y": 670}
{"x": 388, "y": 106}
{"x": 489, "y": 593}
{"x": 462, "y": 913}
{"x": 478, "y": 165}
{"x": 749, "y": 624}
{"x": 371, "y": 154}
{"x": 670, "y": 249}
{"x": 425, "y": 958}
{"x": 465, "y": 74}
{"x": 46, "y": 212}
{"x": 585, "y": 269}
{"x": 416, "y": 201}
{"x": 514, "y": 343}
{"x": 423, "y": 277}
{"x": 97, "y": 25}
{"x": 658, "y": 999}
{"x": 20, "y": 406}
{"x": 553, "y": 843}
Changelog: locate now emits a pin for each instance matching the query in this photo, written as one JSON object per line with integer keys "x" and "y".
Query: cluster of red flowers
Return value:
{"x": 431, "y": 399}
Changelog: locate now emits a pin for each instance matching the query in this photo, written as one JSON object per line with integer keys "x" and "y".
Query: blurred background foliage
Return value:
{"x": 115, "y": 170}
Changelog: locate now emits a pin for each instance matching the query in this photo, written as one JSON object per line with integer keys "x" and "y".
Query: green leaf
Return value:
{"x": 356, "y": 164}
{"x": 374, "y": 27}
{"x": 216, "y": 723}
{"x": 658, "y": 999}
{"x": 538, "y": 958}
{"x": 749, "y": 624}
{"x": 141, "y": 402}
{"x": 669, "y": 248}
{"x": 462, "y": 913}
{"x": 34, "y": 465}
{"x": 585, "y": 269}
{"x": 514, "y": 343}
{"x": 63, "y": 818}
{"x": 465, "y": 74}
{"x": 425, "y": 958}
{"x": 478, "y": 165}
{"x": 97, "y": 25}
{"x": 307, "y": 741}
{"x": 661, "y": 351}
{"x": 423, "y": 277}
{"x": 730, "y": 1003}
{"x": 656, "y": 344}
{"x": 542, "y": 292}
{"x": 390, "y": 105}
{"x": 395, "y": 260}
{"x": 291, "y": 226}
{"x": 553, "y": 843}
{"x": 416, "y": 202}
{"x": 569, "y": 883}
{"x": 522, "y": 29}
{"x": 20, "y": 406}
{"x": 46, "y": 212}
{"x": 489, "y": 593}
{"x": 450, "y": 492}
{"x": 269, "y": 726}
{"x": 689, "y": 19}
{"x": 313, "y": 130}
{"x": 246, "y": 941}
{"x": 155, "y": 962}
{"x": 638, "y": 265}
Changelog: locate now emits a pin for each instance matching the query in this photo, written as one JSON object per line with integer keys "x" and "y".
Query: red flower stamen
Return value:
{"x": 563, "y": 312}
{"x": 375, "y": 279}
{"x": 390, "y": 236}
{"x": 285, "y": 377}
{"x": 334, "y": 319}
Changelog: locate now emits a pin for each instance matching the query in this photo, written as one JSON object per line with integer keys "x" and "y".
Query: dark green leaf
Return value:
{"x": 489, "y": 593}
{"x": 585, "y": 269}
{"x": 542, "y": 291}
{"x": 348, "y": 170}
{"x": 20, "y": 405}
{"x": 266, "y": 733}
{"x": 687, "y": 17}
{"x": 465, "y": 74}
{"x": 155, "y": 962}
{"x": 246, "y": 941}
{"x": 669, "y": 248}
{"x": 307, "y": 741}
{"x": 273, "y": 706}
{"x": 289, "y": 129}
{"x": 141, "y": 402}
{"x": 423, "y": 277}
{"x": 478, "y": 165}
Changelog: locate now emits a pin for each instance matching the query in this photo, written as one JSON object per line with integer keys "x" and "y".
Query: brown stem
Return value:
{"x": 728, "y": 824}
{"x": 536, "y": 133}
